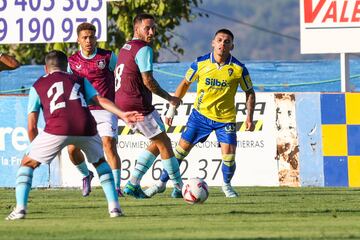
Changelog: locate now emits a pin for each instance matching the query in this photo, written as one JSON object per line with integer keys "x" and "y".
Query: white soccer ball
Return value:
{"x": 195, "y": 191}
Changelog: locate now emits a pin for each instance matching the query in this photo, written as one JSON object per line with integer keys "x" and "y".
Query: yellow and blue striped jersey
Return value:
{"x": 217, "y": 86}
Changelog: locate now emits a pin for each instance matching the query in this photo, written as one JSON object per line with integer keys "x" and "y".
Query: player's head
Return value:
{"x": 144, "y": 27}
{"x": 86, "y": 38}
{"x": 55, "y": 60}
{"x": 223, "y": 42}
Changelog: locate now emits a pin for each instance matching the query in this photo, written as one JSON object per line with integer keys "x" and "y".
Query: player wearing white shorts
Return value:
{"x": 97, "y": 65}
{"x": 63, "y": 98}
{"x": 134, "y": 88}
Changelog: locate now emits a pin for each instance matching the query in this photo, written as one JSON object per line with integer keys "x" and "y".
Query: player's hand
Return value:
{"x": 170, "y": 113}
{"x": 250, "y": 126}
{"x": 175, "y": 101}
{"x": 132, "y": 117}
{"x": 168, "y": 121}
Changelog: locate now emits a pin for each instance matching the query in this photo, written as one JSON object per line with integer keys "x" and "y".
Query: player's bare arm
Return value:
{"x": 32, "y": 125}
{"x": 127, "y": 117}
{"x": 155, "y": 88}
{"x": 250, "y": 105}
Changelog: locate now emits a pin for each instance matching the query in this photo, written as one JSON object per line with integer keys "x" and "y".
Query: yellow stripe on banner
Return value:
{"x": 178, "y": 129}
{"x": 126, "y": 131}
{"x": 243, "y": 127}
{"x": 258, "y": 125}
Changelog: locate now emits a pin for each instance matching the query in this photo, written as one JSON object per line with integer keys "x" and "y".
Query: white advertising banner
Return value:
{"x": 255, "y": 158}
{"x": 330, "y": 26}
{"x": 46, "y": 21}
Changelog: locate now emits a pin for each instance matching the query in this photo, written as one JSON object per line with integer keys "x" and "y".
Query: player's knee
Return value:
{"x": 28, "y": 162}
{"x": 72, "y": 150}
{"x": 109, "y": 144}
{"x": 228, "y": 159}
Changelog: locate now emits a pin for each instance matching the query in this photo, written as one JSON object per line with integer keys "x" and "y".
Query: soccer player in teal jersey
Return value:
{"x": 218, "y": 75}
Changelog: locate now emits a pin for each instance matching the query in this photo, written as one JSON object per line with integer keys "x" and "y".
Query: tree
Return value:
{"x": 168, "y": 15}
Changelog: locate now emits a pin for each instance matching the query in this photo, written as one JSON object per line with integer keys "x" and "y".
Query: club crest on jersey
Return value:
{"x": 101, "y": 63}
{"x": 78, "y": 66}
{"x": 230, "y": 71}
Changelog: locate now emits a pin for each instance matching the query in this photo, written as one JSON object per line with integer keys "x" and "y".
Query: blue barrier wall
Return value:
{"x": 14, "y": 142}
{"x": 308, "y": 119}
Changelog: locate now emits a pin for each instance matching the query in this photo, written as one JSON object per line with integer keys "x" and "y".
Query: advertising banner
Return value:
{"x": 14, "y": 142}
{"x": 47, "y": 21}
{"x": 255, "y": 158}
{"x": 330, "y": 26}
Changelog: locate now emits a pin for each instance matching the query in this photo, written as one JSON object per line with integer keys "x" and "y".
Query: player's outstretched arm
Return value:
{"x": 127, "y": 117}
{"x": 180, "y": 93}
{"x": 250, "y": 105}
{"x": 8, "y": 62}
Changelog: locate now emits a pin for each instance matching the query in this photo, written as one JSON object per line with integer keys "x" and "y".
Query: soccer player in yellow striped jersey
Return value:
{"x": 218, "y": 75}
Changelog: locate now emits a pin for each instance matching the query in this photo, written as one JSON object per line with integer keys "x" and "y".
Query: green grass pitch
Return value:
{"x": 259, "y": 213}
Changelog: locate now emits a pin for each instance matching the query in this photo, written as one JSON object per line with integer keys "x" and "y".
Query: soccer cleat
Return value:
{"x": 119, "y": 192}
{"x": 87, "y": 184}
{"x": 134, "y": 190}
{"x": 176, "y": 193}
{"x": 15, "y": 215}
{"x": 116, "y": 212}
{"x": 229, "y": 191}
{"x": 154, "y": 189}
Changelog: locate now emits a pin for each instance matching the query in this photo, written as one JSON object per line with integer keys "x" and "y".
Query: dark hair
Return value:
{"x": 56, "y": 59}
{"x": 85, "y": 26}
{"x": 141, "y": 16}
{"x": 226, "y": 31}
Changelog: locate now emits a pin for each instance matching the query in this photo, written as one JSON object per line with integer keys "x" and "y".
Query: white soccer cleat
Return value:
{"x": 116, "y": 212}
{"x": 229, "y": 191}
{"x": 15, "y": 215}
{"x": 154, "y": 189}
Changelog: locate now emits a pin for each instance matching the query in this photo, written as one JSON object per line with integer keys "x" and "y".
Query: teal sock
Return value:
{"x": 117, "y": 177}
{"x": 144, "y": 162}
{"x": 82, "y": 167}
{"x": 107, "y": 182}
{"x": 172, "y": 167}
{"x": 23, "y": 186}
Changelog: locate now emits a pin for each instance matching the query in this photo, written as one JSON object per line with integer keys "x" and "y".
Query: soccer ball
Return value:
{"x": 195, "y": 191}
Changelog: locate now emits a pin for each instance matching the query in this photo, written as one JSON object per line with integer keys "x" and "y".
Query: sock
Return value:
{"x": 228, "y": 167}
{"x": 171, "y": 165}
{"x": 83, "y": 169}
{"x": 180, "y": 154}
{"x": 144, "y": 162}
{"x": 23, "y": 186}
{"x": 117, "y": 177}
{"x": 107, "y": 182}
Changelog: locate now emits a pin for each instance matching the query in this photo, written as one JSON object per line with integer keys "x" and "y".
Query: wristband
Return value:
{"x": 170, "y": 112}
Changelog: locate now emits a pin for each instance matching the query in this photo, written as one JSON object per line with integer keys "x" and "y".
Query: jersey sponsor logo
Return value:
{"x": 215, "y": 82}
{"x": 127, "y": 46}
{"x": 101, "y": 63}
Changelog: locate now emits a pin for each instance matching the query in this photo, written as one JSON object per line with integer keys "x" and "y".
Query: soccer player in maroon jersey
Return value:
{"x": 134, "y": 87}
{"x": 8, "y": 62}
{"x": 63, "y": 98}
{"x": 97, "y": 65}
